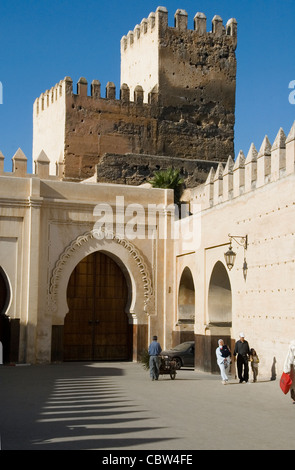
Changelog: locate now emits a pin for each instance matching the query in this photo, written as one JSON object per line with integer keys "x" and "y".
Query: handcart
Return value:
{"x": 167, "y": 366}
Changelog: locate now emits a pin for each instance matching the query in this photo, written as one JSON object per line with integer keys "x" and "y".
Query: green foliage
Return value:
{"x": 168, "y": 179}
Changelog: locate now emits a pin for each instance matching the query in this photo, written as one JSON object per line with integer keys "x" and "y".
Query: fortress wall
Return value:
{"x": 97, "y": 125}
{"x": 177, "y": 99}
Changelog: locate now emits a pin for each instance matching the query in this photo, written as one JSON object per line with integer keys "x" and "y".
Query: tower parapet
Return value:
{"x": 158, "y": 22}
{"x": 65, "y": 88}
{"x": 48, "y": 97}
{"x": 67, "y": 128}
{"x": 144, "y": 48}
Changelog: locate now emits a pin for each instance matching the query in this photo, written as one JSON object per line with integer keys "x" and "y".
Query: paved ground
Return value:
{"x": 116, "y": 406}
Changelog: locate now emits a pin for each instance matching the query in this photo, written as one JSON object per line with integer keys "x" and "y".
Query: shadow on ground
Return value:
{"x": 73, "y": 407}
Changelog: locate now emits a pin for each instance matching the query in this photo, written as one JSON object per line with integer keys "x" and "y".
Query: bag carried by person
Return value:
{"x": 225, "y": 352}
{"x": 226, "y": 363}
{"x": 285, "y": 382}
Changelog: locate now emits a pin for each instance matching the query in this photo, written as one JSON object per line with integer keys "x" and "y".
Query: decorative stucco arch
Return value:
{"x": 136, "y": 270}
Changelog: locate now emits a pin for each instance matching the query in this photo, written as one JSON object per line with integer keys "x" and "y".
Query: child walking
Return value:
{"x": 254, "y": 359}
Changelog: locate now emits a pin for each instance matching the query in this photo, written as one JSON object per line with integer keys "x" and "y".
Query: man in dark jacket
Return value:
{"x": 243, "y": 351}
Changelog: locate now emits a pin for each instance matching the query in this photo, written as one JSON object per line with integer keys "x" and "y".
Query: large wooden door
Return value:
{"x": 96, "y": 327}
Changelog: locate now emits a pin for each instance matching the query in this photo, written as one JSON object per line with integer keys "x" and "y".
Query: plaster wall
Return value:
{"x": 262, "y": 301}
{"x": 137, "y": 68}
{"x": 47, "y": 228}
{"x": 49, "y": 113}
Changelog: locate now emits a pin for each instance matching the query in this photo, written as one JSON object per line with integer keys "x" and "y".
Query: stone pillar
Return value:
{"x": 239, "y": 175}
{"x": 180, "y": 20}
{"x": 228, "y": 179}
{"x": 33, "y": 277}
{"x": 1, "y": 163}
{"x": 290, "y": 151}
{"x": 95, "y": 89}
{"x": 42, "y": 165}
{"x": 110, "y": 91}
{"x": 278, "y": 155}
{"x": 251, "y": 169}
{"x": 82, "y": 87}
{"x": 19, "y": 163}
{"x": 200, "y": 23}
{"x": 263, "y": 162}
{"x": 139, "y": 339}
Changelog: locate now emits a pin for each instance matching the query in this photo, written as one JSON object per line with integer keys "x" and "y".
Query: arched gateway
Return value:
{"x": 219, "y": 309}
{"x": 101, "y": 296}
{"x": 219, "y": 318}
{"x": 220, "y": 298}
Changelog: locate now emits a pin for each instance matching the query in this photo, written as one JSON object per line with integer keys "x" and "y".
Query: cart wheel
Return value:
{"x": 173, "y": 374}
{"x": 178, "y": 362}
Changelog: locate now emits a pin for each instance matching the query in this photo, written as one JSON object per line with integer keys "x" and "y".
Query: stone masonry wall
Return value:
{"x": 186, "y": 110}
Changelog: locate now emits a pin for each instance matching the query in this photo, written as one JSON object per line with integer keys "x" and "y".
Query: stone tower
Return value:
{"x": 177, "y": 102}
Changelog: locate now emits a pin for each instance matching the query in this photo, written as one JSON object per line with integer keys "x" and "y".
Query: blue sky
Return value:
{"x": 43, "y": 41}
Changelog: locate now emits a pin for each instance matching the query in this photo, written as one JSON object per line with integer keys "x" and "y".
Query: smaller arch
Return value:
{"x": 5, "y": 292}
{"x": 5, "y": 299}
{"x": 186, "y": 297}
{"x": 219, "y": 296}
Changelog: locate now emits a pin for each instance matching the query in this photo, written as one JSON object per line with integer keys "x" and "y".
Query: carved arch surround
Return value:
{"x": 131, "y": 261}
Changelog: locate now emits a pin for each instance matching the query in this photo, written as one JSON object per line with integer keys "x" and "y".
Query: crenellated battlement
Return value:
{"x": 49, "y": 96}
{"x": 248, "y": 173}
{"x": 158, "y": 22}
{"x": 41, "y": 166}
{"x": 65, "y": 89}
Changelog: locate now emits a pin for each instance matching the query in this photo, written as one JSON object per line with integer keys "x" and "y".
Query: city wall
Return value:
{"x": 254, "y": 197}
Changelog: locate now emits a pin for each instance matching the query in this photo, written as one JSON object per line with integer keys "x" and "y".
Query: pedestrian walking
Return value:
{"x": 289, "y": 367}
{"x": 223, "y": 359}
{"x": 242, "y": 351}
{"x": 154, "y": 352}
{"x": 254, "y": 361}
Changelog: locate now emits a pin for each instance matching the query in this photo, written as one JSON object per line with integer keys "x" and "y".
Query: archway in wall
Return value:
{"x": 219, "y": 297}
{"x": 96, "y": 326}
{"x": 219, "y": 309}
{"x": 186, "y": 297}
{"x": 186, "y": 307}
{"x": 4, "y": 320}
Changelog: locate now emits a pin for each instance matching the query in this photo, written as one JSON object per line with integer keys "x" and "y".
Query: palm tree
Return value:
{"x": 168, "y": 179}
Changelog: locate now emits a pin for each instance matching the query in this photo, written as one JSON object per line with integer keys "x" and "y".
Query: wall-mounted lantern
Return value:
{"x": 230, "y": 255}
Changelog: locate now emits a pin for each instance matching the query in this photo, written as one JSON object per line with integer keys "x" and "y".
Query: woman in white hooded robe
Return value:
{"x": 223, "y": 362}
